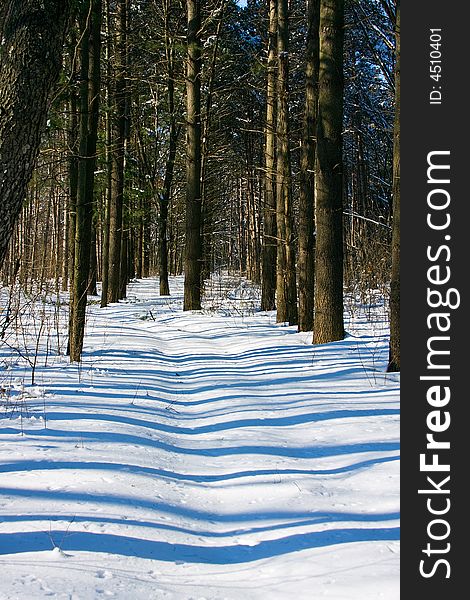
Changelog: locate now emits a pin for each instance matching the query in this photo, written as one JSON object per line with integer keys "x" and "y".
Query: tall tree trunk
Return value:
{"x": 57, "y": 247}
{"x": 105, "y": 269}
{"x": 252, "y": 215}
{"x": 118, "y": 157}
{"x": 269, "y": 251}
{"x": 131, "y": 256}
{"x": 163, "y": 201}
{"x": 105, "y": 244}
{"x": 65, "y": 247}
{"x": 124, "y": 267}
{"x": 140, "y": 240}
{"x": 206, "y": 209}
{"x": 394, "y": 354}
{"x": 165, "y": 197}
{"x": 30, "y": 60}
{"x": 286, "y": 275}
{"x": 92, "y": 289}
{"x": 193, "y": 247}
{"x": 124, "y": 272}
{"x": 73, "y": 181}
{"x": 307, "y": 168}
{"x": 89, "y": 104}
{"x": 146, "y": 242}
{"x": 329, "y": 325}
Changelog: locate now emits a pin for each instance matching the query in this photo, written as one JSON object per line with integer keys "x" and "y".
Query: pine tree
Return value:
{"x": 269, "y": 251}
{"x": 193, "y": 249}
{"x": 329, "y": 325}
{"x": 119, "y": 133}
{"x": 90, "y": 48}
{"x": 394, "y": 355}
{"x": 286, "y": 291}
{"x": 164, "y": 196}
{"x": 307, "y": 168}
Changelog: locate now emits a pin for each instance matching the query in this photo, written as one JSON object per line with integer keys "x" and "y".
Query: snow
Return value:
{"x": 202, "y": 455}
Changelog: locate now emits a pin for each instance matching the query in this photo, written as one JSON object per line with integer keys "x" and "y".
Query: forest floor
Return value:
{"x": 201, "y": 455}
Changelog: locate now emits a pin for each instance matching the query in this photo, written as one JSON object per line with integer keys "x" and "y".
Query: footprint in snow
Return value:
{"x": 102, "y": 574}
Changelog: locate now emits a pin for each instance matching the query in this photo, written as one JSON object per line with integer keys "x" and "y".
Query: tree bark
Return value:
{"x": 193, "y": 247}
{"x": 286, "y": 295}
{"x": 269, "y": 251}
{"x": 30, "y": 61}
{"x": 73, "y": 181}
{"x": 107, "y": 196}
{"x": 124, "y": 266}
{"x": 394, "y": 354}
{"x": 165, "y": 197}
{"x": 329, "y": 324}
{"x": 118, "y": 157}
{"x": 93, "y": 275}
{"x": 307, "y": 177}
{"x": 89, "y": 114}
{"x": 146, "y": 243}
{"x": 206, "y": 209}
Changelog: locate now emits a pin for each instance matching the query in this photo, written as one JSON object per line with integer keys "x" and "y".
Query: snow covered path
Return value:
{"x": 197, "y": 456}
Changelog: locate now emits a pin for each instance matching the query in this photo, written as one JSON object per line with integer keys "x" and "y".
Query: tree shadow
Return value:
{"x": 47, "y": 465}
{"x": 170, "y": 552}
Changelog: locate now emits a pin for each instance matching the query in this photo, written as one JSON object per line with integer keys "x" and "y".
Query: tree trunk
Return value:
{"x": 307, "y": 177}
{"x": 140, "y": 240}
{"x": 329, "y": 325}
{"x": 73, "y": 182}
{"x": 107, "y": 196}
{"x": 146, "y": 242}
{"x": 206, "y": 209}
{"x": 89, "y": 114}
{"x": 394, "y": 354}
{"x": 118, "y": 153}
{"x": 124, "y": 267}
{"x": 65, "y": 248}
{"x": 165, "y": 197}
{"x": 193, "y": 248}
{"x": 269, "y": 252}
{"x": 30, "y": 60}
{"x": 286, "y": 275}
{"x": 92, "y": 289}
{"x": 105, "y": 244}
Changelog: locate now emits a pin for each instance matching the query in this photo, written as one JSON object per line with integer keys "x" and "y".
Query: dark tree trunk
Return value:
{"x": 269, "y": 251}
{"x": 118, "y": 156}
{"x": 206, "y": 209}
{"x": 329, "y": 325}
{"x": 163, "y": 200}
{"x": 394, "y": 355}
{"x": 73, "y": 183}
{"x": 107, "y": 197}
{"x": 105, "y": 246}
{"x": 165, "y": 197}
{"x": 65, "y": 248}
{"x": 124, "y": 267}
{"x": 33, "y": 35}
{"x": 131, "y": 256}
{"x": 286, "y": 296}
{"x": 90, "y": 48}
{"x": 307, "y": 177}
{"x": 92, "y": 289}
{"x": 146, "y": 243}
{"x": 193, "y": 247}
{"x": 140, "y": 241}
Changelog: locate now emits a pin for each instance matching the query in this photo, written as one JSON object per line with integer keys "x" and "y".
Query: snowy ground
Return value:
{"x": 211, "y": 455}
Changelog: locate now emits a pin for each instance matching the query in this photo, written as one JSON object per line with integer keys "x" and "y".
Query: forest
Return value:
{"x": 205, "y": 137}
{"x": 199, "y": 299}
